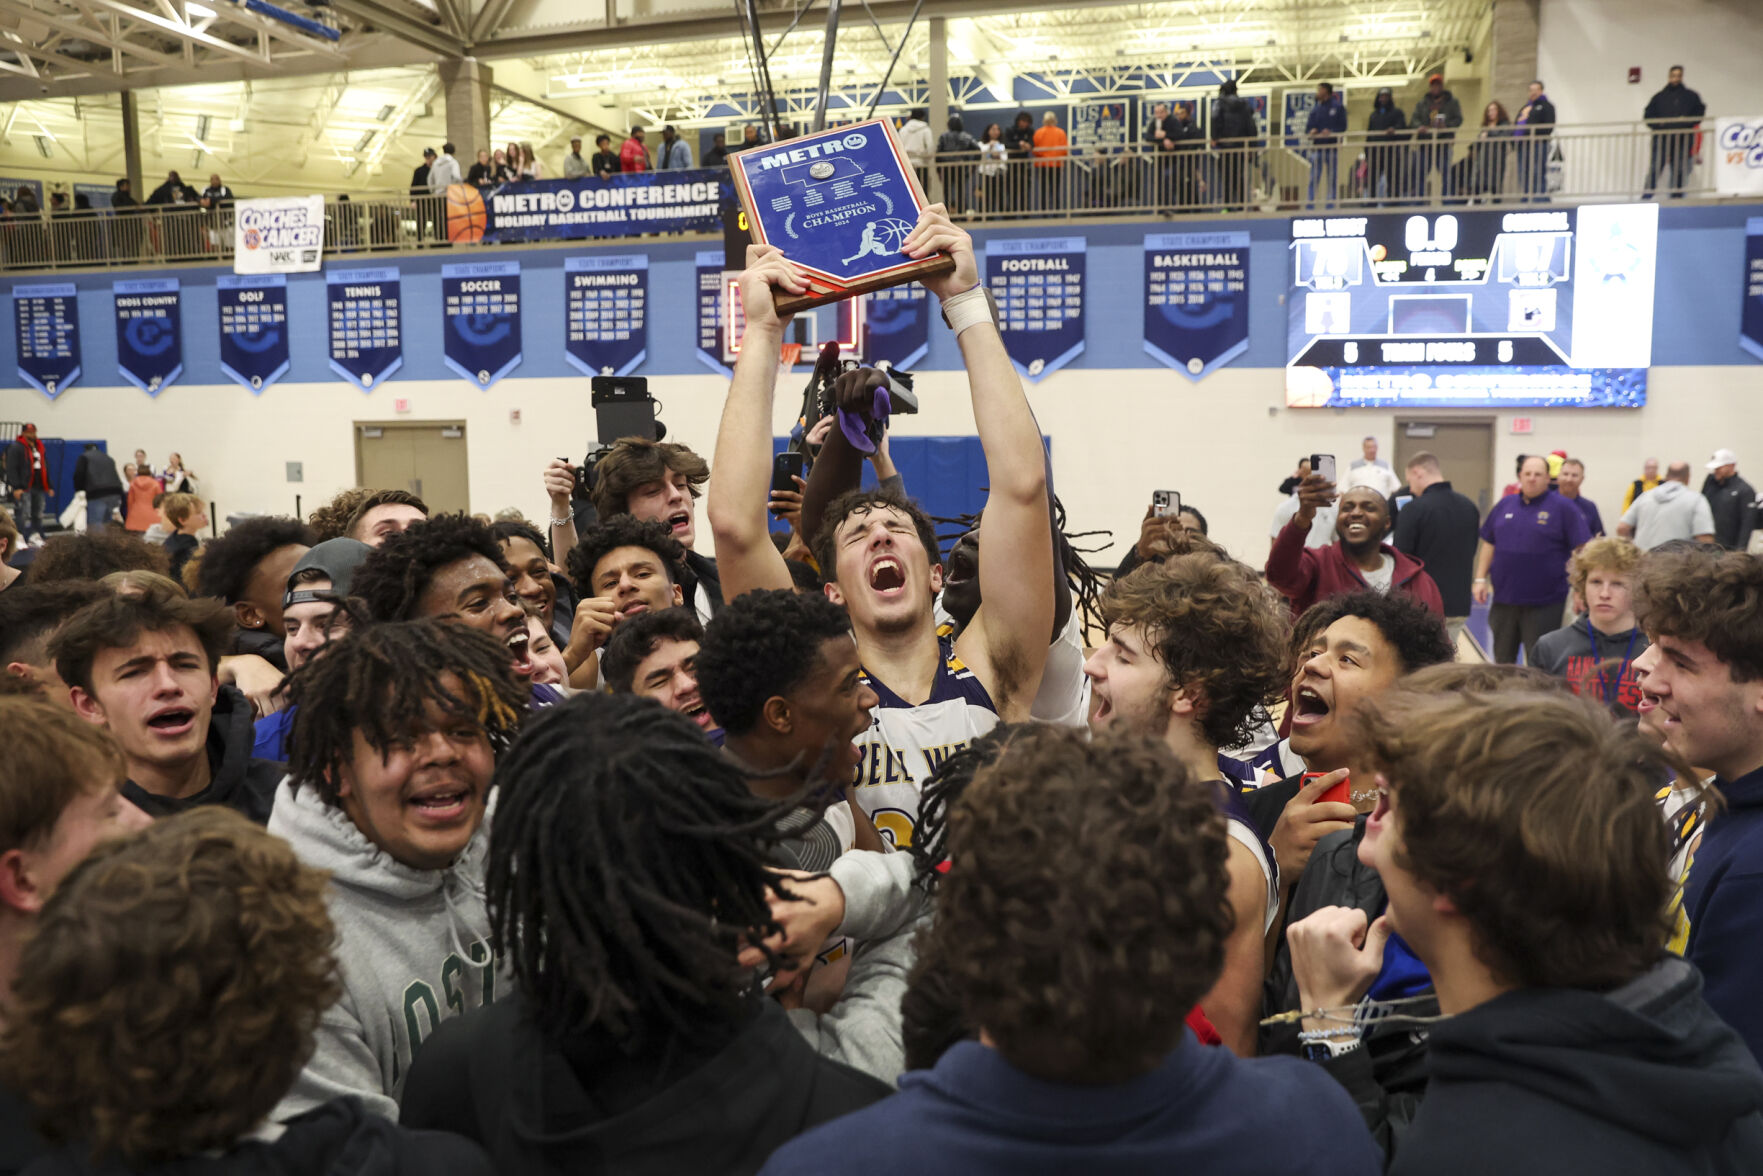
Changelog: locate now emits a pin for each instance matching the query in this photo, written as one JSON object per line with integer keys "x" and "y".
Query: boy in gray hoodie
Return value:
{"x": 395, "y": 736}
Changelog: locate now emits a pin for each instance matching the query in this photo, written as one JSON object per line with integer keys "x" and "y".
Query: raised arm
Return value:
{"x": 740, "y": 485}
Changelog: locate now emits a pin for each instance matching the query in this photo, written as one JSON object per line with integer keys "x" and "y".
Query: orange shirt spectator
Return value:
{"x": 142, "y": 514}
{"x": 633, "y": 156}
{"x": 1050, "y": 143}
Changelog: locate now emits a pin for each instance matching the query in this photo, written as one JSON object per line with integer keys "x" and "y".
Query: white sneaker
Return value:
{"x": 36, "y": 541}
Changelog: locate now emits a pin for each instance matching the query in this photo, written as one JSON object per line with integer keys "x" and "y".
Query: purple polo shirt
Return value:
{"x": 1532, "y": 544}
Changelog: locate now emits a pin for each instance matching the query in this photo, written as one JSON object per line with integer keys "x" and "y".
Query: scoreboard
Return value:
{"x": 1530, "y": 307}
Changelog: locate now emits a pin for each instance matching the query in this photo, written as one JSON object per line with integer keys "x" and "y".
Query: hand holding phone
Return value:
{"x": 1165, "y": 503}
{"x": 1339, "y": 794}
{"x": 1324, "y": 465}
{"x": 786, "y": 467}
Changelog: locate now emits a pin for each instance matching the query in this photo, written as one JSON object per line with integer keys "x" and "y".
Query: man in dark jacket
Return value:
{"x": 173, "y": 191}
{"x": 1234, "y": 130}
{"x": 1673, "y": 115}
{"x": 1323, "y": 129}
{"x": 27, "y": 481}
{"x": 1534, "y": 126}
{"x": 1436, "y": 117}
{"x": 1386, "y": 154}
{"x": 1731, "y": 499}
{"x": 1358, "y": 559}
{"x": 1439, "y": 528}
{"x": 1019, "y": 144}
{"x": 95, "y": 473}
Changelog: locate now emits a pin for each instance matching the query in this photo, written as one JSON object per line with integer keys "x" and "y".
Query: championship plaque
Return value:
{"x": 839, "y": 204}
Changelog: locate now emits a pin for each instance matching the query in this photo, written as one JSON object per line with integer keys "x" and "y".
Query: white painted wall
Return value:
{"x": 1117, "y": 435}
{"x": 1585, "y": 49}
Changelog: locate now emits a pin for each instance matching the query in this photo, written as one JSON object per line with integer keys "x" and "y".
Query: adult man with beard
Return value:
{"x": 1357, "y": 560}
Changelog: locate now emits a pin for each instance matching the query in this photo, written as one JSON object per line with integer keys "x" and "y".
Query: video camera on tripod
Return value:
{"x": 622, "y": 408}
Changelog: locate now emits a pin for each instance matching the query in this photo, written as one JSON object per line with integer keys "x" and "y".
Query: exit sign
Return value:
{"x": 1520, "y": 425}
{"x": 402, "y": 404}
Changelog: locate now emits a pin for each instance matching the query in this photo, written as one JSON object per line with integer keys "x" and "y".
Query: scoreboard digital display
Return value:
{"x": 1472, "y": 309}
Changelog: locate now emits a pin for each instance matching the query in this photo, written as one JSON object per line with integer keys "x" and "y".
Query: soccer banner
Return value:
{"x": 48, "y": 336}
{"x": 149, "y": 332}
{"x": 253, "y": 328}
{"x": 1038, "y": 284}
{"x": 481, "y": 319}
{"x": 1196, "y": 299}
{"x": 1750, "y": 319}
{"x": 1738, "y": 155}
{"x": 278, "y": 234}
{"x": 607, "y": 304}
{"x": 366, "y": 333}
{"x": 897, "y": 326}
{"x": 623, "y": 206}
{"x": 710, "y": 296}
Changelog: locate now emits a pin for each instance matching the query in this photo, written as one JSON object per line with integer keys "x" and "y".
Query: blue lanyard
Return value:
{"x": 1609, "y": 690}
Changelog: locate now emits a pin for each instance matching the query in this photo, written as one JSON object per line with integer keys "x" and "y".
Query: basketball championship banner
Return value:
{"x": 1738, "y": 155}
{"x": 896, "y": 326}
{"x": 1196, "y": 299}
{"x": 1038, "y": 284}
{"x": 608, "y": 314}
{"x": 48, "y": 337}
{"x": 686, "y": 201}
{"x": 278, "y": 235}
{"x": 480, "y": 330}
{"x": 366, "y": 328}
{"x": 149, "y": 332}
{"x": 710, "y": 287}
{"x": 253, "y": 328}
{"x": 1751, "y": 318}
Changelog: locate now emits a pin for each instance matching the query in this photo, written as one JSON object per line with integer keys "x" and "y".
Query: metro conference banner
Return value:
{"x": 149, "y": 332}
{"x": 626, "y": 205}
{"x": 1196, "y": 300}
{"x": 48, "y": 336}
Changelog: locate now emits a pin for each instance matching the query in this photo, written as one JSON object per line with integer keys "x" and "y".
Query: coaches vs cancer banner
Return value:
{"x": 278, "y": 234}
{"x": 149, "y": 332}
{"x": 48, "y": 335}
{"x": 1196, "y": 299}
{"x": 1039, "y": 287}
{"x": 1751, "y": 320}
{"x": 608, "y": 313}
{"x": 253, "y": 328}
{"x": 1738, "y": 155}
{"x": 896, "y": 325}
{"x": 481, "y": 327}
{"x": 366, "y": 324}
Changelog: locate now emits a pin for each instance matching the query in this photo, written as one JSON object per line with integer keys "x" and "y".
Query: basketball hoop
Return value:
{"x": 788, "y": 356}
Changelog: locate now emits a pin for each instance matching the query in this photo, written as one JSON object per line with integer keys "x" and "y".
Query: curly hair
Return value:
{"x": 636, "y": 639}
{"x": 380, "y": 498}
{"x": 229, "y": 561}
{"x": 852, "y": 502}
{"x": 331, "y": 521}
{"x": 942, "y": 791}
{"x": 94, "y": 555}
{"x": 1086, "y": 908}
{"x": 117, "y": 622}
{"x": 392, "y": 579}
{"x": 623, "y": 531}
{"x": 52, "y": 757}
{"x": 168, "y": 997}
{"x": 1215, "y": 629}
{"x": 1716, "y": 600}
{"x": 761, "y": 645}
{"x": 1417, "y": 635}
{"x": 1533, "y": 812}
{"x": 384, "y": 680}
{"x": 637, "y": 461}
{"x": 589, "y": 802}
{"x": 1602, "y": 555}
{"x": 508, "y": 529}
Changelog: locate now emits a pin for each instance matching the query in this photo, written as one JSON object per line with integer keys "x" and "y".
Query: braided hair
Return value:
{"x": 382, "y": 681}
{"x": 942, "y": 791}
{"x": 1086, "y": 583}
{"x": 618, "y": 896}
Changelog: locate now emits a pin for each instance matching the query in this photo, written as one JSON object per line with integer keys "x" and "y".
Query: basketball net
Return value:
{"x": 788, "y": 355}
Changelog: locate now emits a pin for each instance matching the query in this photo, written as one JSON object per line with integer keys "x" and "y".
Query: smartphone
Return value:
{"x": 785, "y": 467}
{"x": 1165, "y": 503}
{"x": 1339, "y": 794}
{"x": 1323, "y": 463}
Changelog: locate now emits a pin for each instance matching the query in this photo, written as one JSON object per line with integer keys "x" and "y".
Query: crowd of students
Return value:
{"x": 386, "y": 841}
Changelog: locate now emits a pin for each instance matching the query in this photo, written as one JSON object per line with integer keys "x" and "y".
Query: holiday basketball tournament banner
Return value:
{"x": 1038, "y": 284}
{"x": 896, "y": 327}
{"x": 686, "y": 201}
{"x": 608, "y": 313}
{"x": 481, "y": 319}
{"x": 365, "y": 329}
{"x": 710, "y": 296}
{"x": 149, "y": 332}
{"x": 253, "y": 328}
{"x": 48, "y": 336}
{"x": 1196, "y": 299}
{"x": 1750, "y": 319}
{"x": 278, "y": 234}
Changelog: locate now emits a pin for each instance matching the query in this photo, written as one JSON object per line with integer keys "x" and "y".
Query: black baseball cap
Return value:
{"x": 336, "y": 558}
{"x": 428, "y": 153}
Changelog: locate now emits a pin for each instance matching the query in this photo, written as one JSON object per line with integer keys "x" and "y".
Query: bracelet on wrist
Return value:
{"x": 564, "y": 521}
{"x": 1330, "y": 1034}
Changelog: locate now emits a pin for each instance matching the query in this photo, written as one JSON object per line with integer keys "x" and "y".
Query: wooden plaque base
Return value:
{"x": 820, "y": 293}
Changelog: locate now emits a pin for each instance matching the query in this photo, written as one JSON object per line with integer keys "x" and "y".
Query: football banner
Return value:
{"x": 1038, "y": 284}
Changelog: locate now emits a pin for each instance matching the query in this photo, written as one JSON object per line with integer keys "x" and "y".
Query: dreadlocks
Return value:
{"x": 616, "y": 894}
{"x": 942, "y": 791}
{"x": 1086, "y": 583}
{"x": 382, "y": 681}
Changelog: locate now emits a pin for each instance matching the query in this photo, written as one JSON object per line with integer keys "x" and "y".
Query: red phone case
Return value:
{"x": 1340, "y": 794}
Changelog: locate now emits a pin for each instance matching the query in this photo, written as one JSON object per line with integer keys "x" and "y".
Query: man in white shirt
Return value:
{"x": 444, "y": 171}
{"x": 920, "y": 145}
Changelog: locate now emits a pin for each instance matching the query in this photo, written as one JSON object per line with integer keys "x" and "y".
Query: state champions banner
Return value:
{"x": 896, "y": 325}
{"x": 684, "y": 201}
{"x": 1038, "y": 284}
{"x": 253, "y": 308}
{"x": 278, "y": 234}
{"x": 149, "y": 332}
{"x": 480, "y": 329}
{"x": 606, "y": 304}
{"x": 365, "y": 324}
{"x": 1196, "y": 299}
{"x": 1751, "y": 317}
{"x": 48, "y": 337}
{"x": 1738, "y": 155}
{"x": 709, "y": 275}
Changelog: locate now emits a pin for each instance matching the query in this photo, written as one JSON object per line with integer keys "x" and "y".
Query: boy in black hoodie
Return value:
{"x": 1525, "y": 865}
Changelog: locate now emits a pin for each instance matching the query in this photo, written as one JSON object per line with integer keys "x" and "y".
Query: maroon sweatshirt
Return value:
{"x": 1305, "y": 575}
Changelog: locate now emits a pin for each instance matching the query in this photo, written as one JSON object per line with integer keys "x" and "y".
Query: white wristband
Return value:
{"x": 967, "y": 309}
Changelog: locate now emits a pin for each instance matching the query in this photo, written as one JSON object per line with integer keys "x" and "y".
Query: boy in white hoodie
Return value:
{"x": 396, "y": 733}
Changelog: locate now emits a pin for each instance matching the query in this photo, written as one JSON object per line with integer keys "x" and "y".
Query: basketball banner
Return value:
{"x": 48, "y": 335}
{"x": 1751, "y": 318}
{"x": 149, "y": 332}
{"x": 278, "y": 235}
{"x": 896, "y": 326}
{"x": 366, "y": 330}
{"x": 1196, "y": 299}
{"x": 253, "y": 328}
{"x": 481, "y": 319}
{"x": 1038, "y": 285}
{"x": 687, "y": 201}
{"x": 711, "y": 285}
{"x": 607, "y": 306}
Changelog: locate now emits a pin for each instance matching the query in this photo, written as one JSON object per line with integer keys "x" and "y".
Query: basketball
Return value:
{"x": 1378, "y": 253}
{"x": 465, "y": 214}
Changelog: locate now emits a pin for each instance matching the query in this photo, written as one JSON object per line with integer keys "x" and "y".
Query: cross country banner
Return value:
{"x": 149, "y": 332}
{"x": 1750, "y": 319}
{"x": 896, "y": 326}
{"x": 1038, "y": 284}
{"x": 1738, "y": 155}
{"x": 253, "y": 328}
{"x": 711, "y": 287}
{"x": 365, "y": 324}
{"x": 481, "y": 319}
{"x": 1196, "y": 300}
{"x": 48, "y": 320}
{"x": 607, "y": 309}
{"x": 278, "y": 234}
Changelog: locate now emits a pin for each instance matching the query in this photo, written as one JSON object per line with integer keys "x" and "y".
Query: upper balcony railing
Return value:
{"x": 1572, "y": 164}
